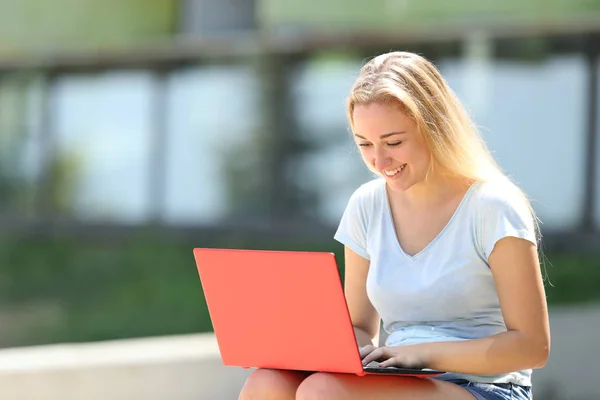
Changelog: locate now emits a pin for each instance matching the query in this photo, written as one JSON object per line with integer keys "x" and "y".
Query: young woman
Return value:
{"x": 441, "y": 247}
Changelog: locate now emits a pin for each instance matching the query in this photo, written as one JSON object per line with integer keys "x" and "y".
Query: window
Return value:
{"x": 334, "y": 169}
{"x": 212, "y": 144}
{"x": 532, "y": 116}
{"x": 217, "y": 17}
{"x": 102, "y": 132}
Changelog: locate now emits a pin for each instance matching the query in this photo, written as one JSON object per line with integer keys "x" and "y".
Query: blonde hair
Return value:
{"x": 454, "y": 142}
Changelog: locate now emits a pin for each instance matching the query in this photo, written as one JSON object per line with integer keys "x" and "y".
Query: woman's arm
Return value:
{"x": 364, "y": 316}
{"x": 526, "y": 344}
{"x": 516, "y": 270}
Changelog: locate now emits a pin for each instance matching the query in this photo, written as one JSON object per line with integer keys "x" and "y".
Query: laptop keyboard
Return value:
{"x": 374, "y": 365}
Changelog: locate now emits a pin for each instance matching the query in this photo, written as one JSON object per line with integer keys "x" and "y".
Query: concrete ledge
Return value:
{"x": 189, "y": 367}
{"x": 176, "y": 367}
{"x": 118, "y": 352}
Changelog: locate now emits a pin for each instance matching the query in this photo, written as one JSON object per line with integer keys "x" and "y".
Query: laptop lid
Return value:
{"x": 278, "y": 309}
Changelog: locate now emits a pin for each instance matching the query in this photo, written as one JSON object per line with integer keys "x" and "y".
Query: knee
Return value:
{"x": 267, "y": 384}
{"x": 320, "y": 386}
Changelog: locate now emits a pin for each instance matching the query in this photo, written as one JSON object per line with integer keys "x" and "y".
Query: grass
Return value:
{"x": 78, "y": 291}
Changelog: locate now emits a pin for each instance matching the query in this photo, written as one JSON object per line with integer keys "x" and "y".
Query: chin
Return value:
{"x": 399, "y": 186}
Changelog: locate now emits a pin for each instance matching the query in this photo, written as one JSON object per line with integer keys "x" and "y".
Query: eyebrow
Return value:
{"x": 385, "y": 135}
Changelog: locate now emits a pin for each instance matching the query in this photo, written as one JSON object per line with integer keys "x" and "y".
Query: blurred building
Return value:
{"x": 207, "y": 112}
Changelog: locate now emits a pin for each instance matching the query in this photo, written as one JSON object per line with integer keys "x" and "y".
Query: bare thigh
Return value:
{"x": 270, "y": 384}
{"x": 375, "y": 387}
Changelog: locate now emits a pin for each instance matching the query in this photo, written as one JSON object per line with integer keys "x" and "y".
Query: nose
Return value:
{"x": 380, "y": 159}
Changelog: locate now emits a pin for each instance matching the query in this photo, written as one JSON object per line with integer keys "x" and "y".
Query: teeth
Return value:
{"x": 395, "y": 171}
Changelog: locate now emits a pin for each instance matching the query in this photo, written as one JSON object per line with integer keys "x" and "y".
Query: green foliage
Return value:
{"x": 109, "y": 289}
{"x": 63, "y": 24}
{"x": 79, "y": 290}
{"x": 398, "y": 13}
{"x": 572, "y": 278}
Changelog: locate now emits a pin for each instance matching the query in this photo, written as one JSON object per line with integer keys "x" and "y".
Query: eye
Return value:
{"x": 364, "y": 144}
{"x": 394, "y": 144}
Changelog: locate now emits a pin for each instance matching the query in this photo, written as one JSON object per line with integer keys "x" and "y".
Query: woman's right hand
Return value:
{"x": 366, "y": 350}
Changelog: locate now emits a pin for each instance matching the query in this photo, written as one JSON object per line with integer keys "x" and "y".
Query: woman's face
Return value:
{"x": 389, "y": 145}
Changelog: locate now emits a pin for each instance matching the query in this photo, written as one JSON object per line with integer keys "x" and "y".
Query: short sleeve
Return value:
{"x": 504, "y": 213}
{"x": 352, "y": 230}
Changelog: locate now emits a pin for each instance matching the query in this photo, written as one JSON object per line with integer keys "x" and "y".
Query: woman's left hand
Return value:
{"x": 413, "y": 356}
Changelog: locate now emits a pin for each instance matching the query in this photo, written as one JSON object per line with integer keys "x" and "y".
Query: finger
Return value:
{"x": 401, "y": 363}
{"x": 366, "y": 350}
{"x": 381, "y": 354}
{"x": 374, "y": 355}
{"x": 390, "y": 362}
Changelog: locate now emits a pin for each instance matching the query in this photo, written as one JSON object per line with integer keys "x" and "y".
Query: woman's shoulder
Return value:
{"x": 498, "y": 192}
{"x": 370, "y": 190}
{"x": 501, "y": 196}
{"x": 368, "y": 197}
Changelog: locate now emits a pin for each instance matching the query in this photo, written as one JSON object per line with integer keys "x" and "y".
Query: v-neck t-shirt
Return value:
{"x": 445, "y": 292}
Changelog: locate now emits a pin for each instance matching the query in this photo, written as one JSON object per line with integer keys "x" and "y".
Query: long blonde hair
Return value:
{"x": 452, "y": 138}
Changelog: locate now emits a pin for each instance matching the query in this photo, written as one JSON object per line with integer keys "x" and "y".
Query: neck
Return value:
{"x": 436, "y": 190}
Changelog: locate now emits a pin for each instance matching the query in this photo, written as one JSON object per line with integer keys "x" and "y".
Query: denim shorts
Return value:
{"x": 495, "y": 391}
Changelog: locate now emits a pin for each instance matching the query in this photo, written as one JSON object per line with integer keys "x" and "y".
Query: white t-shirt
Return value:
{"x": 446, "y": 292}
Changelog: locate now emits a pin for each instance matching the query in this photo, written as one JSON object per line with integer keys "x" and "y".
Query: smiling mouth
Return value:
{"x": 394, "y": 172}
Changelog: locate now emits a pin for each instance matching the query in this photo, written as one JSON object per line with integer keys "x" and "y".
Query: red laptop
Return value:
{"x": 282, "y": 310}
